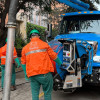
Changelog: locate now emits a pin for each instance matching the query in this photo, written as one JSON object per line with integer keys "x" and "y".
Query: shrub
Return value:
{"x": 19, "y": 41}
{"x": 41, "y": 29}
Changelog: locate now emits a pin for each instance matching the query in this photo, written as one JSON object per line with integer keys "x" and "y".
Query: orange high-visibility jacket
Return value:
{"x": 0, "y": 53}
{"x": 3, "y": 54}
{"x": 37, "y": 56}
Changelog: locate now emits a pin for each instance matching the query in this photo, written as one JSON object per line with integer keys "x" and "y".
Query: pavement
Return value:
{"x": 23, "y": 92}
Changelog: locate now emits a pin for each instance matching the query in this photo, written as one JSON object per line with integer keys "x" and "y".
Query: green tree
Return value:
{"x": 55, "y": 15}
{"x": 26, "y": 5}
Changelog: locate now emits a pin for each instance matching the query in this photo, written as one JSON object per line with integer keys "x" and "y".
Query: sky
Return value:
{"x": 95, "y": 26}
{"x": 97, "y": 5}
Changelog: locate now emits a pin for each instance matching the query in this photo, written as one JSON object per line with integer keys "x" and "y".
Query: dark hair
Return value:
{"x": 34, "y": 34}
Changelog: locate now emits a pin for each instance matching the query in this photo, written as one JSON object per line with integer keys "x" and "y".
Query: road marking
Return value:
{"x": 41, "y": 94}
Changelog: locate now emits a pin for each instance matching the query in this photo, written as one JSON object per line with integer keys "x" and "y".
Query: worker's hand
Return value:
{"x": 17, "y": 62}
{"x": 18, "y": 65}
{"x": 58, "y": 61}
{"x": 26, "y": 78}
{"x": 24, "y": 69}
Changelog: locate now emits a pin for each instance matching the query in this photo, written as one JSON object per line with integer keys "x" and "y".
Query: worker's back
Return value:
{"x": 36, "y": 55}
{"x": 3, "y": 54}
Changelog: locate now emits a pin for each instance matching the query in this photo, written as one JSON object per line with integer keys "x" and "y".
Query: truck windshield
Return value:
{"x": 90, "y": 26}
{"x": 80, "y": 26}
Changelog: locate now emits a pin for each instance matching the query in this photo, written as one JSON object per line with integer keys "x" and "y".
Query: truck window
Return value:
{"x": 92, "y": 26}
{"x": 80, "y": 26}
{"x": 69, "y": 26}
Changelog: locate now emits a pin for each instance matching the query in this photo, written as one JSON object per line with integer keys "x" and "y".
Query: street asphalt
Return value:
{"x": 23, "y": 92}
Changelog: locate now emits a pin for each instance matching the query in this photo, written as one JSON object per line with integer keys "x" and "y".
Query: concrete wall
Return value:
{"x": 21, "y": 24}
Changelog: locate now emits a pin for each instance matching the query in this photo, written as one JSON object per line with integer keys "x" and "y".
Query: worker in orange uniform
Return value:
{"x": 37, "y": 65}
{"x": 0, "y": 57}
{"x": 3, "y": 60}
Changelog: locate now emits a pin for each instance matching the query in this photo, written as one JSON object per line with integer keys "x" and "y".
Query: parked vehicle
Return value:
{"x": 78, "y": 47}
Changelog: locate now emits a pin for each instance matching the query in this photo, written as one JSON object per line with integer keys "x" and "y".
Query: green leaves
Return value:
{"x": 19, "y": 41}
{"x": 41, "y": 29}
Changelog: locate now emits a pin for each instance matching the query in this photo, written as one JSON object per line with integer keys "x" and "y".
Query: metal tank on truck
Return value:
{"x": 78, "y": 47}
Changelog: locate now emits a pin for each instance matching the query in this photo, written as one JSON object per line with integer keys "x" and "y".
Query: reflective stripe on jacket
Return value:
{"x": 3, "y": 54}
{"x": 37, "y": 56}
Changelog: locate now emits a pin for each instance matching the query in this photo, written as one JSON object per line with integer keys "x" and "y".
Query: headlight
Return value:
{"x": 96, "y": 58}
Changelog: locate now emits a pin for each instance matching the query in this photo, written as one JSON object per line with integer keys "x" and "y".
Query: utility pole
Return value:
{"x": 10, "y": 48}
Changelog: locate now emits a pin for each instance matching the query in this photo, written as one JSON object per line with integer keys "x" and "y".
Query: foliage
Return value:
{"x": 55, "y": 15}
{"x": 19, "y": 41}
{"x": 41, "y": 29}
{"x": 26, "y": 5}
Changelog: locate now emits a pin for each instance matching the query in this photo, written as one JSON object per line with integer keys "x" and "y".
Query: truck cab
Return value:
{"x": 78, "y": 47}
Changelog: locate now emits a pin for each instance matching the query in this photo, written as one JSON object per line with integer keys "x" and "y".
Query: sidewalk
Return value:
{"x": 23, "y": 91}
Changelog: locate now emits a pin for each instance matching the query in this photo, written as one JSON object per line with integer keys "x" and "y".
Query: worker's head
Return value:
{"x": 34, "y": 33}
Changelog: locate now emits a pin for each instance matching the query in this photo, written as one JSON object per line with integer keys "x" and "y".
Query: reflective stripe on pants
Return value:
{"x": 44, "y": 80}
